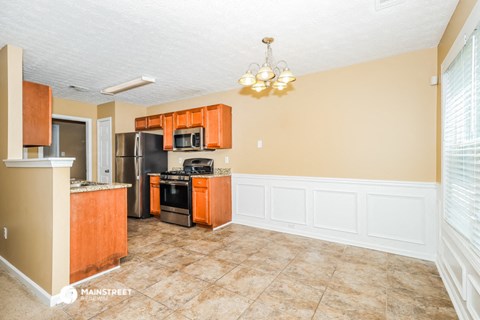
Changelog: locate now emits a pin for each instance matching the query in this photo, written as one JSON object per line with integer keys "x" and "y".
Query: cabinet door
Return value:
{"x": 154, "y": 195}
{"x": 155, "y": 121}
{"x": 168, "y": 131}
{"x": 201, "y": 201}
{"x": 141, "y": 123}
{"x": 37, "y": 114}
{"x": 180, "y": 119}
{"x": 218, "y": 127}
{"x": 196, "y": 118}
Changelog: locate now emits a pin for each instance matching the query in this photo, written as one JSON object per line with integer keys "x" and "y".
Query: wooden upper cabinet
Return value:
{"x": 141, "y": 123}
{"x": 196, "y": 117}
{"x": 218, "y": 126}
{"x": 37, "y": 114}
{"x": 155, "y": 121}
{"x": 168, "y": 131}
{"x": 180, "y": 119}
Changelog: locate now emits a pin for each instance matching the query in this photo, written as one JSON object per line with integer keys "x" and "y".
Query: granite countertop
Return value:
{"x": 218, "y": 172}
{"x": 96, "y": 186}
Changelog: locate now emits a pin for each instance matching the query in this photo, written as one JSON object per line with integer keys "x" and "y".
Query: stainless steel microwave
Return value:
{"x": 191, "y": 139}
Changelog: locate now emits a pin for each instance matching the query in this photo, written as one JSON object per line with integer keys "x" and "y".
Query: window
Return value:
{"x": 461, "y": 141}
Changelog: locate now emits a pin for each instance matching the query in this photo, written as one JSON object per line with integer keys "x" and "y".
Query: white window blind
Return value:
{"x": 461, "y": 141}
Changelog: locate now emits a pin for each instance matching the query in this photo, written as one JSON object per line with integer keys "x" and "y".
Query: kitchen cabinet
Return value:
{"x": 155, "y": 121}
{"x": 98, "y": 231}
{"x": 212, "y": 201}
{"x": 196, "y": 117}
{"x": 155, "y": 195}
{"x": 141, "y": 123}
{"x": 168, "y": 131}
{"x": 37, "y": 114}
{"x": 218, "y": 127}
{"x": 189, "y": 118}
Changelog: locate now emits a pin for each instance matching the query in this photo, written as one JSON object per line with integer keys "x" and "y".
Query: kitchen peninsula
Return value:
{"x": 98, "y": 227}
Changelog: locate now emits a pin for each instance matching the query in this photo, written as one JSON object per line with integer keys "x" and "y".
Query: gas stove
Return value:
{"x": 176, "y": 191}
{"x": 191, "y": 167}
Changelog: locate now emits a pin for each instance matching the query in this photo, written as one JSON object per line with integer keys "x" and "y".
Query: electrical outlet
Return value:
{"x": 180, "y": 160}
{"x": 260, "y": 144}
{"x": 5, "y": 232}
{"x": 227, "y": 159}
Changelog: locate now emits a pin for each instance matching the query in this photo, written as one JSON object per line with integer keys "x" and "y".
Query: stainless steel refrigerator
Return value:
{"x": 137, "y": 154}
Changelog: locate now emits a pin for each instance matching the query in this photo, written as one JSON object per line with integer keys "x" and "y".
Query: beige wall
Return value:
{"x": 125, "y": 114}
{"x": 463, "y": 10}
{"x": 374, "y": 120}
{"x": 35, "y": 202}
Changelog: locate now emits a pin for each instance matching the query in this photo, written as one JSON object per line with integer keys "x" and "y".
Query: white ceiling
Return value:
{"x": 198, "y": 47}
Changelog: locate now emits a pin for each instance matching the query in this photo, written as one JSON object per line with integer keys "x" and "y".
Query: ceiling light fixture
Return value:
{"x": 143, "y": 80}
{"x": 269, "y": 74}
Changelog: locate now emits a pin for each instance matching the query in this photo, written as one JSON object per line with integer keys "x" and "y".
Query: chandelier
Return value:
{"x": 271, "y": 73}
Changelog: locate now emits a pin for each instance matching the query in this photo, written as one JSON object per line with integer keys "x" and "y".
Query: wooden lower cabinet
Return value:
{"x": 155, "y": 195}
{"x": 212, "y": 201}
{"x": 98, "y": 231}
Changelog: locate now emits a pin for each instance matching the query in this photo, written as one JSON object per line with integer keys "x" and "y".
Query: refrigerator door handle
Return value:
{"x": 137, "y": 142}
{"x": 137, "y": 169}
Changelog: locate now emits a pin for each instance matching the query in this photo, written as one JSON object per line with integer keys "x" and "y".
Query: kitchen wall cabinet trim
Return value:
{"x": 40, "y": 163}
{"x": 342, "y": 210}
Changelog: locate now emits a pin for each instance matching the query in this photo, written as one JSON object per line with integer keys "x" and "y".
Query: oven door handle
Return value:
{"x": 174, "y": 183}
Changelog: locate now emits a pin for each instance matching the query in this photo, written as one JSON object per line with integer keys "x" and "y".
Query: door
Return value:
{"x": 127, "y": 170}
{"x": 104, "y": 147}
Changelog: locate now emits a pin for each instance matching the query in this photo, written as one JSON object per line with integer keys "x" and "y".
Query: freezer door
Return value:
{"x": 129, "y": 170}
{"x": 129, "y": 144}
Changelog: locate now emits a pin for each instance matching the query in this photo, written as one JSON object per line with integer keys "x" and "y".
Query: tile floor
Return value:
{"x": 240, "y": 272}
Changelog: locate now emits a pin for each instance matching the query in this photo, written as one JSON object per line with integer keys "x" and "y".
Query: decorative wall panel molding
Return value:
{"x": 397, "y": 217}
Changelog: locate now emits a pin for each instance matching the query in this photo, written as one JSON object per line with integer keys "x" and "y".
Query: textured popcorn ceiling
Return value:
{"x": 198, "y": 47}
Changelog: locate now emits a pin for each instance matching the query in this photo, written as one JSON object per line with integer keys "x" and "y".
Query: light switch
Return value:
{"x": 62, "y": 154}
{"x": 260, "y": 144}
{"x": 227, "y": 159}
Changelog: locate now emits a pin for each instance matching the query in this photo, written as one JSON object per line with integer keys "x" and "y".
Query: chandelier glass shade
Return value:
{"x": 271, "y": 74}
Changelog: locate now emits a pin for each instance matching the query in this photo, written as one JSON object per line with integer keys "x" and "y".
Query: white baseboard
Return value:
{"x": 44, "y": 296}
{"x": 393, "y": 216}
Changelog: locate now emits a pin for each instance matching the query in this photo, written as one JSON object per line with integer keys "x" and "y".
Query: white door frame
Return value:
{"x": 109, "y": 119}
{"x": 88, "y": 138}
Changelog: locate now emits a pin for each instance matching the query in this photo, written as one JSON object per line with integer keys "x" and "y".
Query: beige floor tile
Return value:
{"x": 209, "y": 269}
{"x": 215, "y": 303}
{"x": 168, "y": 262}
{"x": 141, "y": 275}
{"x": 178, "y": 258}
{"x": 87, "y": 306}
{"x": 246, "y": 281}
{"x": 315, "y": 275}
{"x": 285, "y": 299}
{"x": 138, "y": 307}
{"x": 411, "y": 265}
{"x": 175, "y": 290}
{"x": 230, "y": 255}
{"x": 356, "y": 306}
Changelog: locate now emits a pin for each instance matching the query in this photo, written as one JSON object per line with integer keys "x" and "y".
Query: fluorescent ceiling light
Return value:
{"x": 143, "y": 80}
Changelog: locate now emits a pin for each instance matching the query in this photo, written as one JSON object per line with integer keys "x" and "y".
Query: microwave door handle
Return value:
{"x": 192, "y": 140}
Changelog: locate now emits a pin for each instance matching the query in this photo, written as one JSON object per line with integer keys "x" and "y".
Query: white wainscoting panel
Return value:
{"x": 289, "y": 205}
{"x": 473, "y": 300}
{"x": 397, "y": 217}
{"x": 335, "y": 210}
{"x": 455, "y": 267}
{"x": 255, "y": 207}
